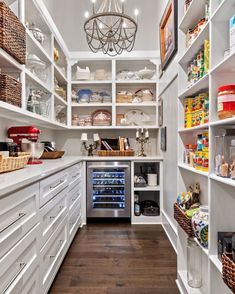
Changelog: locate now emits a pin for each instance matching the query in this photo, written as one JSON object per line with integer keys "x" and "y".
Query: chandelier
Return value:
{"x": 109, "y": 29}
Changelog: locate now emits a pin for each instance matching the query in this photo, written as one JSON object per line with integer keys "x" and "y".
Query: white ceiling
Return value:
{"x": 69, "y": 18}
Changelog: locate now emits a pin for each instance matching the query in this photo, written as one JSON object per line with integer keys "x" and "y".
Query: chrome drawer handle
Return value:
{"x": 108, "y": 166}
{"x": 76, "y": 197}
{"x": 75, "y": 176}
{"x": 56, "y": 185}
{"x": 60, "y": 208}
{"x": 53, "y": 256}
{"x": 22, "y": 266}
{"x": 17, "y": 218}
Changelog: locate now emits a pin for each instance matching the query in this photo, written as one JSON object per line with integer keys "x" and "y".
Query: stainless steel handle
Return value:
{"x": 108, "y": 166}
{"x": 76, "y": 175}
{"x": 60, "y": 208}
{"x": 22, "y": 266}
{"x": 56, "y": 185}
{"x": 77, "y": 196}
{"x": 17, "y": 218}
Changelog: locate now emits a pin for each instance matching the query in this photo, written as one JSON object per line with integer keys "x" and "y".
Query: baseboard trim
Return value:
{"x": 170, "y": 230}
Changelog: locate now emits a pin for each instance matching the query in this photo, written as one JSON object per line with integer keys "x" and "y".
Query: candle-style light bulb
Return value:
{"x": 136, "y": 14}
{"x": 122, "y": 1}
{"x": 93, "y": 5}
{"x": 86, "y": 14}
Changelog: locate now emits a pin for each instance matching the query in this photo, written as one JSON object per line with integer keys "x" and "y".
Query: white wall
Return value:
{"x": 168, "y": 89}
{"x": 69, "y": 18}
{"x": 71, "y": 143}
{"x": 5, "y": 124}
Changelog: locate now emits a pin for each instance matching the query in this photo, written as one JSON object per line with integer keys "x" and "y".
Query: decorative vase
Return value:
{"x": 200, "y": 221}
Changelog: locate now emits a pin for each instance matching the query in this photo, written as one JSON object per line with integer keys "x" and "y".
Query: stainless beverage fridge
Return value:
{"x": 108, "y": 189}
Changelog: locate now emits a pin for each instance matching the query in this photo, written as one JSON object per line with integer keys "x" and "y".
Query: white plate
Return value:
{"x": 137, "y": 117}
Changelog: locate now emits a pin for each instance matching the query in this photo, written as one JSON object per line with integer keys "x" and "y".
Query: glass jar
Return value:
{"x": 226, "y": 101}
{"x": 200, "y": 224}
{"x": 194, "y": 264}
{"x": 221, "y": 157}
{"x": 232, "y": 159}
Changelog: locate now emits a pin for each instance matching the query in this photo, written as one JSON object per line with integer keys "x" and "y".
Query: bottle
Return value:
{"x": 136, "y": 205}
{"x": 232, "y": 159}
{"x": 194, "y": 264}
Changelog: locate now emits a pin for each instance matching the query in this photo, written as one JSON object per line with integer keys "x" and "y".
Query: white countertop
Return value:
{"x": 32, "y": 173}
{"x": 18, "y": 179}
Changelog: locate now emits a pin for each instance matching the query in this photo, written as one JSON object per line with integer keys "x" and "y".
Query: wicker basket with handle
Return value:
{"x": 8, "y": 164}
{"x": 12, "y": 34}
{"x": 228, "y": 272}
{"x": 184, "y": 221}
{"x": 116, "y": 153}
{"x": 10, "y": 90}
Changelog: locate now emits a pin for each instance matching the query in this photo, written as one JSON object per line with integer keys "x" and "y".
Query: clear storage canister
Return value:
{"x": 232, "y": 159}
{"x": 194, "y": 264}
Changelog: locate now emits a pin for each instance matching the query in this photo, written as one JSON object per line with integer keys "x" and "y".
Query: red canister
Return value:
{"x": 226, "y": 101}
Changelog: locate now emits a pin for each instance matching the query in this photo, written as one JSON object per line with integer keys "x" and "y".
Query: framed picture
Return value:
{"x": 163, "y": 139}
{"x": 160, "y": 111}
{"x": 168, "y": 34}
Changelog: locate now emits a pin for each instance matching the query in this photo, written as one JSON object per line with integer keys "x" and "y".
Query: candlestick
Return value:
{"x": 142, "y": 139}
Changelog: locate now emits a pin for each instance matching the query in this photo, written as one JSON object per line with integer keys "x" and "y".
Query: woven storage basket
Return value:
{"x": 228, "y": 272}
{"x": 116, "y": 153}
{"x": 12, "y": 34}
{"x": 8, "y": 164}
{"x": 183, "y": 220}
{"x": 124, "y": 98}
{"x": 10, "y": 90}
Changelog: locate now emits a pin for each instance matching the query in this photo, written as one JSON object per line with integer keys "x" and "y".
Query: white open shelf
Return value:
{"x": 195, "y": 12}
{"x": 216, "y": 192}
{"x": 193, "y": 170}
{"x": 193, "y": 129}
{"x": 200, "y": 85}
{"x": 147, "y": 188}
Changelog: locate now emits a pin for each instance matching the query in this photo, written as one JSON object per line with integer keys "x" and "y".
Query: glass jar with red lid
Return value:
{"x": 226, "y": 101}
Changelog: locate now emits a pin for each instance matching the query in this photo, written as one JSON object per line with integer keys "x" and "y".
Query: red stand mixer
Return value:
{"x": 30, "y": 134}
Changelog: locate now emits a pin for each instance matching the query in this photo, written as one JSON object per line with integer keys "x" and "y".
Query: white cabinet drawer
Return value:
{"x": 52, "y": 186}
{"x": 19, "y": 214}
{"x": 75, "y": 172}
{"x": 74, "y": 222}
{"x": 74, "y": 196}
{"x": 52, "y": 255}
{"x": 51, "y": 215}
{"x": 18, "y": 264}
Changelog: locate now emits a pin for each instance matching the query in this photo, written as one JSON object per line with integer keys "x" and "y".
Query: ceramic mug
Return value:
{"x": 152, "y": 180}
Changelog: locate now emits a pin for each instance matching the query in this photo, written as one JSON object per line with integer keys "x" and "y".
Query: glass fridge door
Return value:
{"x": 108, "y": 193}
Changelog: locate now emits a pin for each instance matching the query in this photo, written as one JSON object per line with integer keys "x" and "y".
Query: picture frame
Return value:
{"x": 163, "y": 139}
{"x": 160, "y": 111}
{"x": 168, "y": 33}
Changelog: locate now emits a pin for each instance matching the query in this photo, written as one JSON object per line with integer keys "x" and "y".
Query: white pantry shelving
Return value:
{"x": 113, "y": 85}
{"x": 217, "y": 192}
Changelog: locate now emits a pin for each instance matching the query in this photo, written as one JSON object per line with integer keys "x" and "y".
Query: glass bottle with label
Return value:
{"x": 137, "y": 205}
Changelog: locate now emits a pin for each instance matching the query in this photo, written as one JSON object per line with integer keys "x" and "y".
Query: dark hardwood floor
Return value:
{"x": 118, "y": 259}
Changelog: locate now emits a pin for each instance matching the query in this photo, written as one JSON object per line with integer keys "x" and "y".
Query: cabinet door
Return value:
{"x": 51, "y": 186}
{"x": 19, "y": 214}
{"x": 52, "y": 255}
{"x": 51, "y": 215}
{"x": 74, "y": 221}
{"x": 18, "y": 265}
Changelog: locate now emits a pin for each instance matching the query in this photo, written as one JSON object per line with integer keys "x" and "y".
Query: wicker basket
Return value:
{"x": 10, "y": 90}
{"x": 116, "y": 153}
{"x": 52, "y": 155}
{"x": 124, "y": 97}
{"x": 228, "y": 272}
{"x": 8, "y": 164}
{"x": 183, "y": 220}
{"x": 12, "y": 34}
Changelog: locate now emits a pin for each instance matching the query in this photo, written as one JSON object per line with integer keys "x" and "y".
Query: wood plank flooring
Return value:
{"x": 118, "y": 259}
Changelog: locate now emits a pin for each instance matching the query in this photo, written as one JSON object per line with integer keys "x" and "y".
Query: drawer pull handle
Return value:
{"x": 16, "y": 219}
{"x": 76, "y": 175}
{"x": 76, "y": 197}
{"x": 22, "y": 266}
{"x": 60, "y": 208}
{"x": 57, "y": 185}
